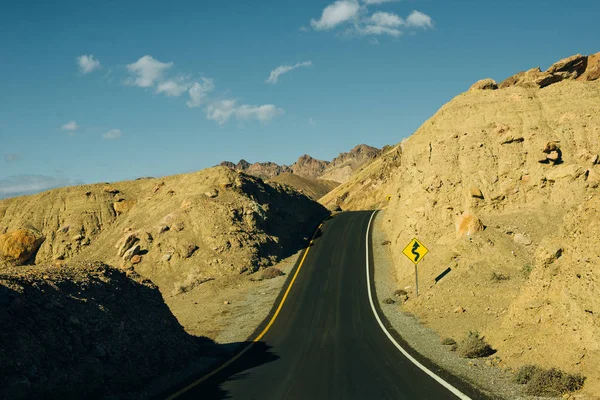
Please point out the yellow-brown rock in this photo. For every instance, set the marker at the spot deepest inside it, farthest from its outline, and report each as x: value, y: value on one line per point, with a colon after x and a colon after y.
x: 468, y: 223
x: 20, y: 246
x: 123, y: 206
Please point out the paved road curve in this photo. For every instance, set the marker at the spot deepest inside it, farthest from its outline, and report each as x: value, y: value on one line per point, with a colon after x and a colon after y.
x: 326, y: 342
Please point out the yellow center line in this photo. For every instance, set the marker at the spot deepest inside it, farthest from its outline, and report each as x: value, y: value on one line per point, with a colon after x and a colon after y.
x: 263, y: 333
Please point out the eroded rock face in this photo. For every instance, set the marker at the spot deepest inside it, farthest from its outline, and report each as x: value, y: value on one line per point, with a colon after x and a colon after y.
x: 20, y: 246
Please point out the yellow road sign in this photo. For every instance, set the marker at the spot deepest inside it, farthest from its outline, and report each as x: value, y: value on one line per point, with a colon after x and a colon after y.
x: 389, y: 197
x: 415, y: 251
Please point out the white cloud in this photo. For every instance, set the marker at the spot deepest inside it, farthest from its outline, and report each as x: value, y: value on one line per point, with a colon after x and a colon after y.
x: 87, y: 64
x: 147, y: 71
x: 335, y: 14
x: 173, y: 87
x: 262, y: 113
x: 379, y: 30
x: 28, y: 184
x: 70, y: 127
x: 417, y: 19
x: 386, y: 19
x: 12, y: 157
x: 282, y: 69
x: 198, y: 92
x: 363, y: 24
x: 221, y: 111
x: 113, y: 134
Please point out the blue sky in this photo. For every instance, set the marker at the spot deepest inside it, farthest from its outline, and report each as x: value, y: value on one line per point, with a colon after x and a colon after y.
x: 110, y: 90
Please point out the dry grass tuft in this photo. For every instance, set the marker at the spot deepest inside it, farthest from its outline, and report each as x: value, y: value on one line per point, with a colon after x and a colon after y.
x: 548, y: 382
x: 474, y: 346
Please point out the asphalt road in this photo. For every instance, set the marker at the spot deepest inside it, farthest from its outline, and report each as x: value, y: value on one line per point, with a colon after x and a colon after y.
x: 326, y: 342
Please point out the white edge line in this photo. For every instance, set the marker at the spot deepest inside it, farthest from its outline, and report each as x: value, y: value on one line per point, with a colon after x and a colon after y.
x: 442, y: 382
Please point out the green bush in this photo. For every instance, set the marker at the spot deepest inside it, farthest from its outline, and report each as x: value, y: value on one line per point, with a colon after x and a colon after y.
x: 526, y: 270
x: 474, y: 346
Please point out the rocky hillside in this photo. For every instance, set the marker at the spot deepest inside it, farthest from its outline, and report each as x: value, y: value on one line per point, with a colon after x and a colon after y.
x: 338, y: 170
x: 178, y: 231
x: 84, y: 330
x: 502, y: 185
x: 313, y: 188
x: 341, y: 168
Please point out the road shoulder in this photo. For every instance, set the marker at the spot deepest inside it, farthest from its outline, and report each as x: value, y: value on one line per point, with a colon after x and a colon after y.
x: 493, y: 381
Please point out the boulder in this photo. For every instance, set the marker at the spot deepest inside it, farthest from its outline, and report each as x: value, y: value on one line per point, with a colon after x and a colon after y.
x: 123, y: 206
x: 468, y: 223
x: 135, y: 250
x: 126, y: 243
x: 484, y: 84
x: 20, y: 246
x: 136, y: 259
x: 211, y: 194
x: 110, y: 189
x: 520, y: 238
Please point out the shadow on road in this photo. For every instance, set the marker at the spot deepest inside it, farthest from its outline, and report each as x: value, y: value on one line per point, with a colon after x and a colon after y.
x: 212, y: 388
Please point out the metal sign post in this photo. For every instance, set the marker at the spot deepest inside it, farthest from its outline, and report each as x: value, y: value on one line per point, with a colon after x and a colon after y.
x: 415, y: 251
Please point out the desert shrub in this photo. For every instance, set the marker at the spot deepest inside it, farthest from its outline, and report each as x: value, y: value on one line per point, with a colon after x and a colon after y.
x: 496, y: 277
x: 474, y: 346
x: 190, y: 282
x: 400, y: 292
x: 526, y: 270
x: 525, y: 373
x: 553, y: 382
x: 270, y: 273
x: 448, y: 341
x: 388, y: 301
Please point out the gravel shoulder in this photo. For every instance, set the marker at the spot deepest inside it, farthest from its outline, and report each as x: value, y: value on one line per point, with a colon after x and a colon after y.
x: 494, y: 381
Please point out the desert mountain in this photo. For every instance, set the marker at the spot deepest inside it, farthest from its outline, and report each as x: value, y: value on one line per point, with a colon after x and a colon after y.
x: 338, y: 170
x: 313, y: 188
x: 502, y: 186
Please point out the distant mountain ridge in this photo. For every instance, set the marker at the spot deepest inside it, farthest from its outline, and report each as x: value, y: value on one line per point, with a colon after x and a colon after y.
x: 338, y: 170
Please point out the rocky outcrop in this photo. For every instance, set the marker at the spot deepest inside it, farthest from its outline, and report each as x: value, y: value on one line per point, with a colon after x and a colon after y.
x: 575, y: 67
x: 20, y: 246
x: 484, y: 84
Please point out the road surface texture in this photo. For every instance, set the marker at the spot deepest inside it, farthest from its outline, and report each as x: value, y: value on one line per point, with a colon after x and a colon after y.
x: 326, y: 342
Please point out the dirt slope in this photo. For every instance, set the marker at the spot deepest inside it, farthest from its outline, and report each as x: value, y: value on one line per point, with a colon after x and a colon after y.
x: 179, y: 231
x: 523, y: 160
x: 313, y: 188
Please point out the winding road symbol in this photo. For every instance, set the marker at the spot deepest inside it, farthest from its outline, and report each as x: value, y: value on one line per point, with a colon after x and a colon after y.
x: 415, y: 251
